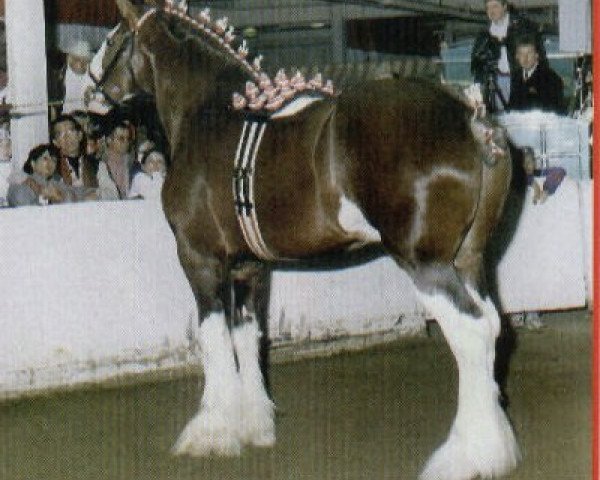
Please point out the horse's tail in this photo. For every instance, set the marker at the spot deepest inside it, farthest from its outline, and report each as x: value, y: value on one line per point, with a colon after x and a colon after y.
x: 496, y: 175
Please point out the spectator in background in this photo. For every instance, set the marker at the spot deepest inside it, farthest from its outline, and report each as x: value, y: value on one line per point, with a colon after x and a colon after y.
x: 534, y: 85
x: 68, y: 84
x: 545, y: 181
x: 40, y: 187
x: 115, y: 168
x: 93, y: 130
x: 75, y: 167
x: 493, y: 57
x: 148, y: 182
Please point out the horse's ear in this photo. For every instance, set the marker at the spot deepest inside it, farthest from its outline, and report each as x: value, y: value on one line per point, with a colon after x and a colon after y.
x: 129, y: 12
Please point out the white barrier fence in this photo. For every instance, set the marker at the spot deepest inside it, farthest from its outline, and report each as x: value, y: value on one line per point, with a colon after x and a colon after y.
x: 92, y: 291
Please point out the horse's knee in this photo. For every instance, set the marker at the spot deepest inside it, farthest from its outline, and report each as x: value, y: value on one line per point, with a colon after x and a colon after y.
x: 440, y: 279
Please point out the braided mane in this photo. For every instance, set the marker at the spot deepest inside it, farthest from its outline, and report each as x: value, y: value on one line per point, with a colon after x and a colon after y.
x: 263, y: 93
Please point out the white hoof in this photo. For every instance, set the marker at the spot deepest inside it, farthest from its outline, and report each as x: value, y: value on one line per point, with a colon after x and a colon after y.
x: 448, y: 463
x: 209, y: 433
x: 464, y: 457
x: 258, y: 425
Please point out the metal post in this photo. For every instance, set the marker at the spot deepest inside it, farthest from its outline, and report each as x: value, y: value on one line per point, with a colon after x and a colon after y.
x: 338, y: 34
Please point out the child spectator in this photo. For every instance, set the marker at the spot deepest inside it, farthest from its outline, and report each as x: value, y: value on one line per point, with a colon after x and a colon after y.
x: 40, y: 188
x: 148, y: 182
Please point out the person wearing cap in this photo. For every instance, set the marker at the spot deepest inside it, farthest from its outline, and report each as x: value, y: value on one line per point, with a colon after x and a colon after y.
x: 40, y: 187
x: 71, y: 81
x: 493, y: 58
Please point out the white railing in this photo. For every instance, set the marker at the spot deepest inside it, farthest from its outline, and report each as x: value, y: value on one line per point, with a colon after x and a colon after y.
x: 93, y: 291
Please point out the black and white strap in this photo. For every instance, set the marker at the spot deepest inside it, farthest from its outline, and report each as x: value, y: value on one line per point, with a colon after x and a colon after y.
x: 243, y: 187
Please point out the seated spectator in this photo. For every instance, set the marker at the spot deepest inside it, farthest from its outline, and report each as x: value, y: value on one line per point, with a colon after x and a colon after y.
x: 148, y: 182
x: 534, y: 84
x: 544, y: 181
x: 40, y: 188
x: 114, y: 170
x: 75, y: 167
x: 92, y: 125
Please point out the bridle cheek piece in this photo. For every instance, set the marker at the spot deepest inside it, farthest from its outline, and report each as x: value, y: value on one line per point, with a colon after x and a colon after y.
x: 99, y: 83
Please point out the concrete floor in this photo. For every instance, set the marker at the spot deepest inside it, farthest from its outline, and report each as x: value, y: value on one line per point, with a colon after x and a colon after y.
x: 375, y: 414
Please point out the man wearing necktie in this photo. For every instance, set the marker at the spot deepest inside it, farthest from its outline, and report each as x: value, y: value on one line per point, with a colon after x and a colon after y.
x: 534, y: 85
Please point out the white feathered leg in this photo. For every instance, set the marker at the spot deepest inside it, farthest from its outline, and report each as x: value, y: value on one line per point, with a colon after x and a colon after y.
x: 481, y: 441
x: 215, y: 428
x: 257, y: 423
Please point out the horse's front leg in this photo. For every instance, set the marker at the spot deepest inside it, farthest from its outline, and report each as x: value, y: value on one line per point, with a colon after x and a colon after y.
x: 252, y: 289
x: 216, y: 426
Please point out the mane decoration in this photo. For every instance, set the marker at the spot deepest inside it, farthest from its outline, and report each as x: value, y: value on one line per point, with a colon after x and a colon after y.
x: 263, y: 94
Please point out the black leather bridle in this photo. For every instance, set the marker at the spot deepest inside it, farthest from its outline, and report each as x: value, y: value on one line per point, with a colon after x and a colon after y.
x: 99, y: 83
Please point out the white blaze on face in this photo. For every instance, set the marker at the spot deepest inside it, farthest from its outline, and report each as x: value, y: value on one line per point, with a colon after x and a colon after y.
x: 97, y: 102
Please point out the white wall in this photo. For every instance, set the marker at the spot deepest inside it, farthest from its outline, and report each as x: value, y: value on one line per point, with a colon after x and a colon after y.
x: 544, y: 266
x: 92, y: 291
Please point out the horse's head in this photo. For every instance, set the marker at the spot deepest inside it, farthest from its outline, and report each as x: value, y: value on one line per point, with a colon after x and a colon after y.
x: 121, y: 69
x: 183, y: 61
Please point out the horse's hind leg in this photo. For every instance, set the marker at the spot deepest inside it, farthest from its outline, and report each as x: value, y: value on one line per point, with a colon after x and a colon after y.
x: 216, y: 426
x: 252, y: 286
x: 481, y: 441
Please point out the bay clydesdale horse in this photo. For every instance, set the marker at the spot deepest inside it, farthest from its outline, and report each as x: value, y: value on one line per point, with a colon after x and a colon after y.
x: 399, y: 162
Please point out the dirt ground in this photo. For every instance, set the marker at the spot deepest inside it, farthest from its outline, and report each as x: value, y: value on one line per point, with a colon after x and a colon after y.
x: 375, y: 414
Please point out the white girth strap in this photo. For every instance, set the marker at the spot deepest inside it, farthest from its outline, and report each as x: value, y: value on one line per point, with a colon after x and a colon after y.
x: 243, y: 187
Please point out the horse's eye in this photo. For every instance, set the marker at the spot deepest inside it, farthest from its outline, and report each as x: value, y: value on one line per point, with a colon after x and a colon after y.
x: 109, y: 42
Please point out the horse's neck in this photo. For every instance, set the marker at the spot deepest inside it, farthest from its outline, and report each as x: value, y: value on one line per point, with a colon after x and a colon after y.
x: 188, y: 96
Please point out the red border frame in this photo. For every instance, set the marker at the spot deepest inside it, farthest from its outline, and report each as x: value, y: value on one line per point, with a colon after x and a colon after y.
x: 596, y: 249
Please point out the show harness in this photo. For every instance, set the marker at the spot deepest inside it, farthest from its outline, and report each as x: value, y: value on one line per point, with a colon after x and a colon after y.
x: 243, y: 186
x: 244, y: 170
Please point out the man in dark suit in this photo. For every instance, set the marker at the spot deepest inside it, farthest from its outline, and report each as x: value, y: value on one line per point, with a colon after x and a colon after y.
x: 534, y: 85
